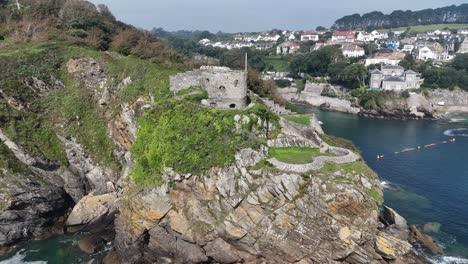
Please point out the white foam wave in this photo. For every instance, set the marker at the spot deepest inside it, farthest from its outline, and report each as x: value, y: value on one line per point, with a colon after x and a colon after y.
x: 19, y: 257
x: 457, y: 132
x: 457, y: 120
x: 388, y: 185
x: 447, y: 260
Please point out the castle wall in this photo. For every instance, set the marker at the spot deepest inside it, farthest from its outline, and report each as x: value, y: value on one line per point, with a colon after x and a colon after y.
x: 185, y: 80
x: 226, y: 88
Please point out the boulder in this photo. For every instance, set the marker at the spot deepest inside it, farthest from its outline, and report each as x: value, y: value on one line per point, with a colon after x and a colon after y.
x: 92, y: 213
x: 394, y: 223
x: 424, y: 241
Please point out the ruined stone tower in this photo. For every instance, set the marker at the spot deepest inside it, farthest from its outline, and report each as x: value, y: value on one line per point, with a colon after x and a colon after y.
x: 227, y: 89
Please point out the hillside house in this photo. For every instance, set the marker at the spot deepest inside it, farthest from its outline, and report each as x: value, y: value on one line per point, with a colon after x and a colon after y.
x: 408, y: 48
x: 264, y: 45
x: 463, y: 47
x: 343, y: 37
x: 393, y: 43
x: 462, y: 32
x: 386, y: 57
x: 309, y: 36
x: 433, y: 51
x: 352, y: 51
x: 287, y: 47
x: 394, y: 78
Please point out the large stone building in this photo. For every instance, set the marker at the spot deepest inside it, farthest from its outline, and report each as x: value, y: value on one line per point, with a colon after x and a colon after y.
x: 394, y: 78
x: 226, y: 88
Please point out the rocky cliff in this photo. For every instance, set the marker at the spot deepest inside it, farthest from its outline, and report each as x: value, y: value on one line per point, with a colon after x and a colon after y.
x: 92, y: 167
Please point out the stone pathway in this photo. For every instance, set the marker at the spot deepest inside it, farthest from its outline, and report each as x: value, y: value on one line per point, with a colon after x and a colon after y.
x: 320, y: 161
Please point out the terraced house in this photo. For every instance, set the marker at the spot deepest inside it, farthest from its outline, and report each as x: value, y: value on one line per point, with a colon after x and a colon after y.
x: 394, y: 78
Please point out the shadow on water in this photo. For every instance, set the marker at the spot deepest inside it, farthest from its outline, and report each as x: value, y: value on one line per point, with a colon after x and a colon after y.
x: 56, y: 250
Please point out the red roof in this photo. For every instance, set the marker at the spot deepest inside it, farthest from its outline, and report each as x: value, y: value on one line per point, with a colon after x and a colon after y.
x: 347, y: 34
x: 289, y: 44
x: 352, y: 48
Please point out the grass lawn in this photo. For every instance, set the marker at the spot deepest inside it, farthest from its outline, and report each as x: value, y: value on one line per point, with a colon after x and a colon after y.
x: 300, y: 119
x: 295, y: 155
x: 277, y: 64
x: 424, y: 28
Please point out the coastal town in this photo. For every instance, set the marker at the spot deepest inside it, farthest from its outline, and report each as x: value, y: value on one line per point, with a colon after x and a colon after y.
x: 386, y: 48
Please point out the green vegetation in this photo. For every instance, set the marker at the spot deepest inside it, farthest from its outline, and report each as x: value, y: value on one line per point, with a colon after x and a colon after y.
x: 375, y: 194
x: 283, y: 83
x: 432, y: 27
x: 400, y: 18
x: 194, y: 94
x: 277, y: 64
x: 190, y: 138
x: 295, y: 155
x: 357, y: 167
x: 300, y: 119
x: 339, y: 142
x: 451, y: 76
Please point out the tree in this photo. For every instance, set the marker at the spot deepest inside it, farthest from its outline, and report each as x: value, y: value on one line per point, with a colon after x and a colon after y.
x: 461, y: 62
x: 320, y: 28
x: 235, y: 59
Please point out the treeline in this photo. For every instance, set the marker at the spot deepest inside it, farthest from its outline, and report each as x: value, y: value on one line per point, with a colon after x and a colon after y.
x: 399, y: 18
x: 451, y: 76
x: 329, y: 61
x: 78, y: 21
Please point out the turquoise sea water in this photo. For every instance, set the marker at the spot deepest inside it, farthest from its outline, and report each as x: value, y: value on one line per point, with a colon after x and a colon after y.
x: 56, y: 250
x: 425, y: 186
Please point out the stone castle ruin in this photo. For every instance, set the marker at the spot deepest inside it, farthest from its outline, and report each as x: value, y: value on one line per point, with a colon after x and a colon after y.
x: 227, y: 89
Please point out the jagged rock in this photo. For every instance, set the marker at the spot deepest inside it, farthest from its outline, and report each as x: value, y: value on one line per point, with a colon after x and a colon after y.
x: 425, y: 241
x: 92, y: 213
x: 96, y: 178
x: 395, y: 224
x: 223, y: 252
x: 91, y: 244
x: 390, y: 247
x: 164, y: 244
x: 30, y: 209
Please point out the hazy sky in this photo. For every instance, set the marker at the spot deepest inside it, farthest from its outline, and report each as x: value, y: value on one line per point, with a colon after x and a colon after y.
x: 251, y: 15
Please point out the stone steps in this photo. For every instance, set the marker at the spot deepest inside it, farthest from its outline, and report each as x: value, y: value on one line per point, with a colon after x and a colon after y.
x: 276, y: 108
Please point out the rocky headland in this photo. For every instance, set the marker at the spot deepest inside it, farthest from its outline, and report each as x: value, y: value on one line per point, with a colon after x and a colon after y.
x: 433, y: 104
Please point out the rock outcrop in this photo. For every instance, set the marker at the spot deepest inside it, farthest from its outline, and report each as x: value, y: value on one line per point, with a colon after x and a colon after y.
x: 92, y: 213
x: 247, y: 214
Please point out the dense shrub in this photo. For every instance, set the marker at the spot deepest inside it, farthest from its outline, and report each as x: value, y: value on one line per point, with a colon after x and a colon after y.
x: 283, y: 83
x: 188, y: 138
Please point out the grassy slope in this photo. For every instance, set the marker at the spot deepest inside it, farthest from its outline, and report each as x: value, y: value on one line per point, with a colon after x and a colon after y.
x: 425, y: 28
x: 300, y: 119
x: 278, y: 64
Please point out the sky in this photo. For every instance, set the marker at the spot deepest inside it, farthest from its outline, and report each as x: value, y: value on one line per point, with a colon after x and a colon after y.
x: 251, y: 15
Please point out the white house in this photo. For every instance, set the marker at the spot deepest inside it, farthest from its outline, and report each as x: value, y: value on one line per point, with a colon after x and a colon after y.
x: 309, y: 36
x: 287, y: 47
x: 408, y: 48
x: 352, y: 51
x: 433, y: 52
x: 379, y: 34
x: 343, y: 36
x: 390, y: 58
x: 462, y: 32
